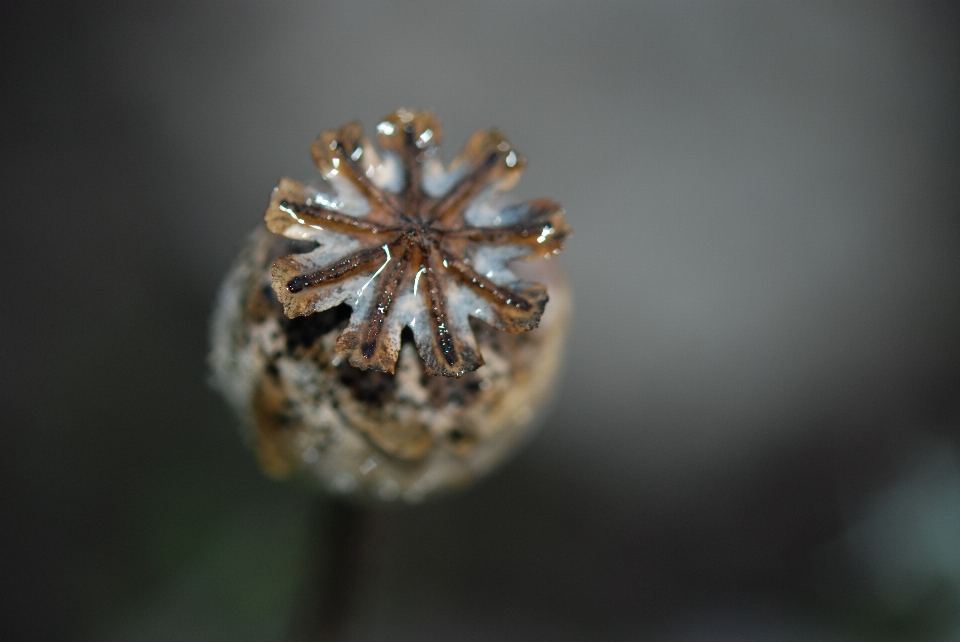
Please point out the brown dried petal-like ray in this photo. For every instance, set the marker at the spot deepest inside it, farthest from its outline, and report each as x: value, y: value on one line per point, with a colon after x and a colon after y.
x: 408, y: 243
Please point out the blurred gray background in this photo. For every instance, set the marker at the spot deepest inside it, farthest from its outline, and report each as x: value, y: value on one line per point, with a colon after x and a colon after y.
x: 756, y: 436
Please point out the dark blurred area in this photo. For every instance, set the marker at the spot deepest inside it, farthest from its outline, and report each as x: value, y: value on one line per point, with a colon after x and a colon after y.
x: 756, y: 436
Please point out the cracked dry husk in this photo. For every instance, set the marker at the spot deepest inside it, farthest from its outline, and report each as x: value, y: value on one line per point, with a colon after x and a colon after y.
x: 310, y: 414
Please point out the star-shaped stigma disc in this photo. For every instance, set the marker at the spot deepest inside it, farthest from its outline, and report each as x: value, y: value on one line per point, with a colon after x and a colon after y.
x: 408, y: 243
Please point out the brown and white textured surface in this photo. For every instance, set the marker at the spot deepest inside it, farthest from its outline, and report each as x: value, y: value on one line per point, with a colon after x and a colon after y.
x: 405, y: 435
x: 384, y: 223
x: 348, y: 369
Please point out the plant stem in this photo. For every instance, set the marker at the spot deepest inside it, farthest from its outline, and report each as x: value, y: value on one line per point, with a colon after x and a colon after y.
x: 331, y: 591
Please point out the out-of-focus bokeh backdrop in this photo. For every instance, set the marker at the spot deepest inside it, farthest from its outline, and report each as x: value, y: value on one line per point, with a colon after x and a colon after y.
x: 756, y: 436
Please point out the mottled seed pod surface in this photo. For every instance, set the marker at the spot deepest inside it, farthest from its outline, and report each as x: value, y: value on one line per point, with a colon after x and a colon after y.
x: 383, y: 336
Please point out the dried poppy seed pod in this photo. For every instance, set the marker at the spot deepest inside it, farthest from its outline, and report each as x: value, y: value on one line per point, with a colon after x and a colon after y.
x: 378, y: 337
